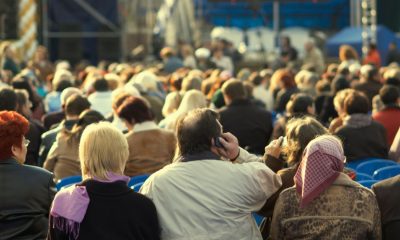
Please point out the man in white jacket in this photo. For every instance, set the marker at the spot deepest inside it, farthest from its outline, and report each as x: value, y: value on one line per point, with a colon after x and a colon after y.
x: 200, y: 195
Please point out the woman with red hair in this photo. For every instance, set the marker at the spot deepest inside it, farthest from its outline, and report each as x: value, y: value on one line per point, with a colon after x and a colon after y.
x: 26, y: 191
x: 287, y: 85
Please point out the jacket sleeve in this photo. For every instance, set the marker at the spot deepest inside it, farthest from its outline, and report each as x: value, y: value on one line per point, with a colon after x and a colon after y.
x: 245, y: 156
x: 274, y: 163
x: 257, y: 184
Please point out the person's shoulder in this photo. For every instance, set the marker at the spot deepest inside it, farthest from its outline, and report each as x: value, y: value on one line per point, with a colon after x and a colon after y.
x: 390, y: 184
x: 36, y: 172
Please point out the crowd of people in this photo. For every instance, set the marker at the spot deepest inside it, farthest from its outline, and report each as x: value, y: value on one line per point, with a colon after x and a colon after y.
x: 218, y: 143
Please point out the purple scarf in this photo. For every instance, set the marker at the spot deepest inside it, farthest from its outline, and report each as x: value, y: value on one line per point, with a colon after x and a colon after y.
x: 70, y: 205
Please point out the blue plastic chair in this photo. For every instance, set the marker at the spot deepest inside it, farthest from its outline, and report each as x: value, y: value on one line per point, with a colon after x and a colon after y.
x: 369, y: 167
x: 354, y: 164
x: 68, y: 181
x: 258, y: 218
x: 386, y: 172
x: 137, y: 186
x: 137, y: 179
x: 363, y: 176
x: 368, y: 183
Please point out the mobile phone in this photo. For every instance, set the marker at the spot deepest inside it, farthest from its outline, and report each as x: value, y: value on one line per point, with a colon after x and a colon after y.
x: 218, y: 143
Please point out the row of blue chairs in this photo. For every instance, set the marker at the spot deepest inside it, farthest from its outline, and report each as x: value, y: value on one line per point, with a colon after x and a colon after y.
x: 370, y: 170
x: 135, y: 182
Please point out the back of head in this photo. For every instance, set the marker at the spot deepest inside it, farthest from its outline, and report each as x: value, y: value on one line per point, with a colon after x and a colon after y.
x: 389, y: 95
x: 286, y: 79
x: 135, y: 110
x: 100, y: 85
x: 13, y: 127
x: 191, y: 82
x: 76, y: 104
x: 347, y: 52
x: 338, y: 100
x: 339, y: 83
x: 300, y: 104
x: 299, y: 132
x: 61, y: 85
x: 66, y: 93
x: 86, y: 118
x: 234, y: 89
x: 8, y: 99
x: 369, y: 72
x: 195, y: 131
x: 192, y: 99
x: 147, y: 80
x: 256, y: 79
x: 103, y: 150
x: 356, y: 102
x: 167, y: 52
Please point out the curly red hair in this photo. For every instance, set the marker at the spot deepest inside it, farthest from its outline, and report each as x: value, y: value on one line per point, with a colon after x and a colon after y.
x: 13, y: 127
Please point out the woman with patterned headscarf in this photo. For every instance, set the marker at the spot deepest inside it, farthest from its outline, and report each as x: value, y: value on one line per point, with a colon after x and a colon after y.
x: 325, y: 203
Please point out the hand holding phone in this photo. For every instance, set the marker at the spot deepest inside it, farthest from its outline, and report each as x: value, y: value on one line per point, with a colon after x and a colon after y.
x: 218, y: 143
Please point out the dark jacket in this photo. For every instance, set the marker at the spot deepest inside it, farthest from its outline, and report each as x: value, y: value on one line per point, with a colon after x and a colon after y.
x: 115, y: 212
x: 388, y: 194
x: 53, y: 118
x: 26, y: 193
x: 364, y: 142
x: 251, y: 124
x: 34, y: 136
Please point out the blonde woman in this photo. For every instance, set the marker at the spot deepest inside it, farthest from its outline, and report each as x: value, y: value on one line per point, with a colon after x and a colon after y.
x: 192, y: 99
x: 103, y: 206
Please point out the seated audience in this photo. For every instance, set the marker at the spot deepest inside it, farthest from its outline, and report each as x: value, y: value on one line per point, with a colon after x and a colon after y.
x: 362, y: 137
x: 369, y: 83
x: 299, y: 132
x: 260, y: 91
x: 73, y: 107
x: 299, y: 105
x: 338, y: 102
x: 63, y: 159
x: 251, y: 124
x: 53, y: 119
x: 192, y: 99
x: 387, y: 194
x: 325, y: 203
x: 100, y: 100
x: 35, y: 127
x: 102, y: 206
x: 287, y: 87
x: 150, y: 148
x: 203, y: 196
x: 389, y: 116
x: 26, y: 191
x: 62, y: 79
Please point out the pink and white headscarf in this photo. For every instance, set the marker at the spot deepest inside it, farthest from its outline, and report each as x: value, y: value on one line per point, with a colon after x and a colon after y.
x: 323, y: 161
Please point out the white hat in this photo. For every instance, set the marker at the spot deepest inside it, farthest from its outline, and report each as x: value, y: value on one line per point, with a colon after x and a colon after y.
x: 202, y: 53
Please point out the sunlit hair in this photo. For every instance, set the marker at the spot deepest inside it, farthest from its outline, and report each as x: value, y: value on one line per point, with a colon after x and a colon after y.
x: 103, y: 149
x: 299, y: 132
x: 13, y: 127
x: 338, y: 100
x: 347, y: 52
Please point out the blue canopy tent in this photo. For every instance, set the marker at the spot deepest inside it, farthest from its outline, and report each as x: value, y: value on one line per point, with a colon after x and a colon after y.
x: 352, y: 36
